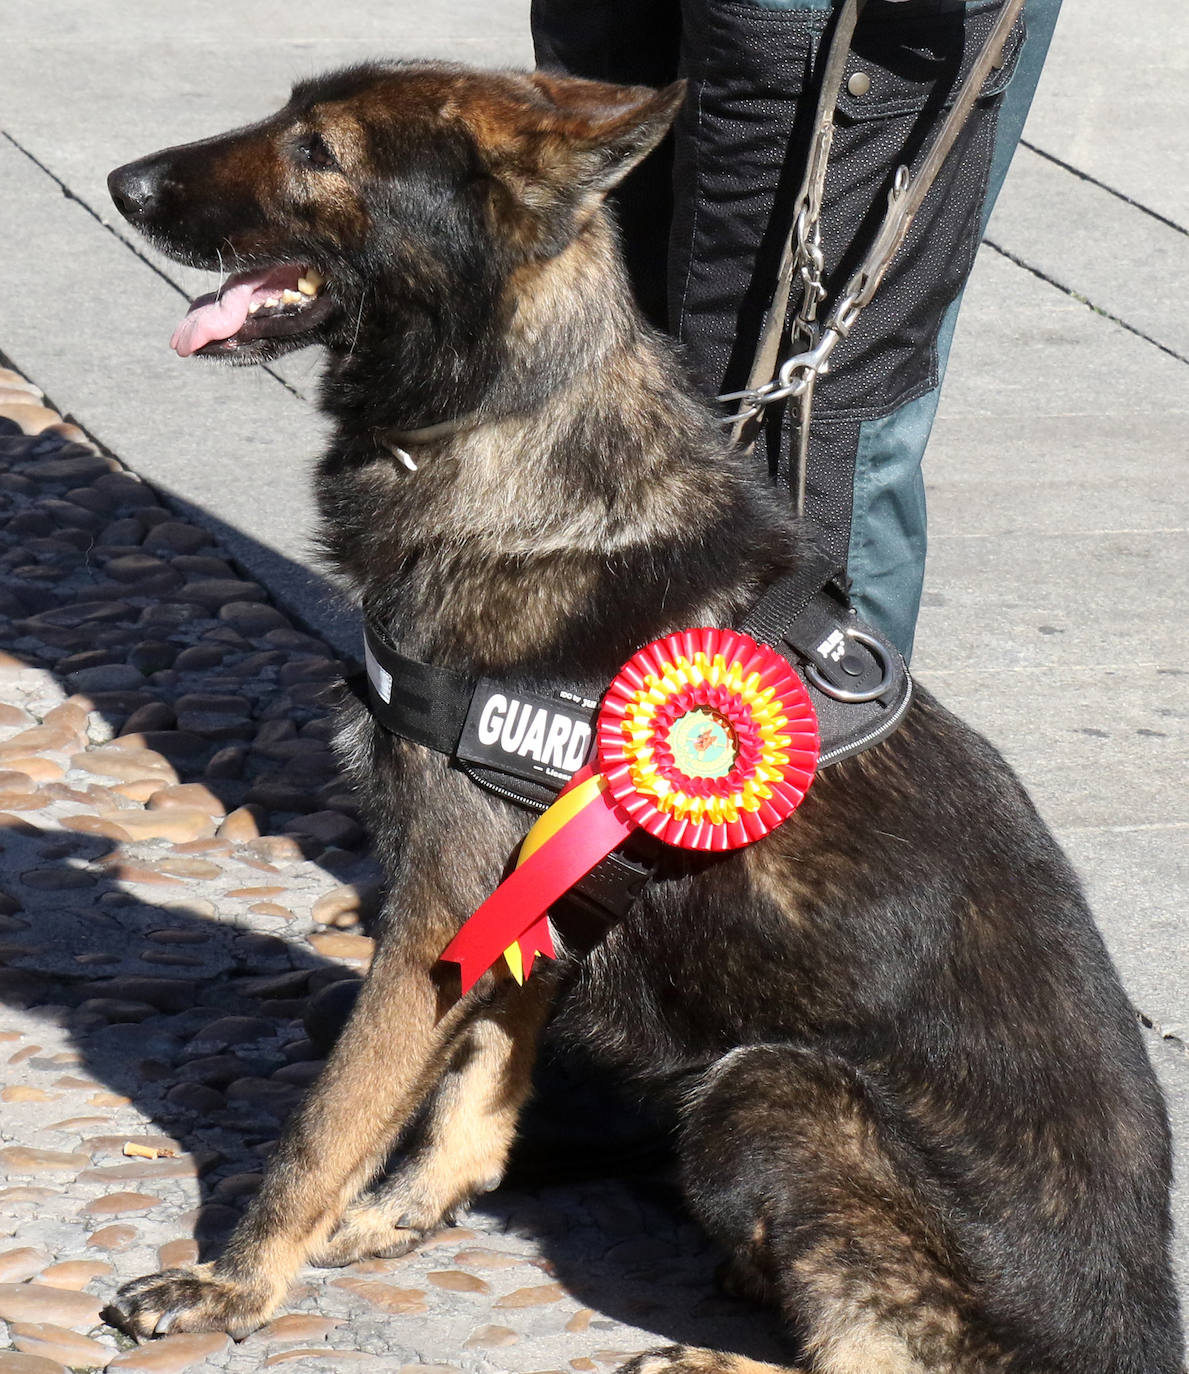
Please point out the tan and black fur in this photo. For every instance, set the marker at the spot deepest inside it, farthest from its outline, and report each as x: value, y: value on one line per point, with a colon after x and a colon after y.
x: 914, y: 1105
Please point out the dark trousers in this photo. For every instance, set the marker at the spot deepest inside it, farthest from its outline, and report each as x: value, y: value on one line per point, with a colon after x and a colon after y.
x: 705, y: 218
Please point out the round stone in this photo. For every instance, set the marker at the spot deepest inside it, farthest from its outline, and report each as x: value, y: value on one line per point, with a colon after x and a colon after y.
x: 228, y: 762
x: 242, y: 825
x: 70, y: 715
x: 216, y: 592
x: 150, y: 656
x: 490, y: 1338
x: 54, y: 1342
x: 172, y: 1354
x: 341, y: 946
x: 176, y: 536
x: 188, y: 794
x: 328, y: 828
x: 195, y: 1097
x: 74, y: 1273
x: 176, y: 1253
x: 251, y: 618
x: 539, y: 1296
x: 189, y: 868
x: 125, y: 765
x: 41, y: 739
x: 36, y: 1302
x: 116, y: 1204
x: 348, y: 904
x: 298, y: 1326
x: 98, y: 826
x: 21, y: 1264
x: 38, y: 769
x: 384, y: 1295
x: 458, y: 1281
x: 106, y: 678
x: 178, y: 823
x: 26, y: 1092
x: 200, y: 656
x: 13, y: 1363
x: 127, y: 490
x: 31, y: 418
x: 115, y: 1237
x: 20, y: 1159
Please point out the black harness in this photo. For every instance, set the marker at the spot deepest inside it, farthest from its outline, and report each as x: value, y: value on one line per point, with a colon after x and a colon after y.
x: 524, y: 745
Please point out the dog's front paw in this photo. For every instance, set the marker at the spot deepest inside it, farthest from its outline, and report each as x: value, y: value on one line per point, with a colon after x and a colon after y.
x: 366, y: 1233
x: 193, y: 1299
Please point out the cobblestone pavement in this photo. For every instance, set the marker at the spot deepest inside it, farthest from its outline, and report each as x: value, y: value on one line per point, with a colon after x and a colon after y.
x: 182, y: 866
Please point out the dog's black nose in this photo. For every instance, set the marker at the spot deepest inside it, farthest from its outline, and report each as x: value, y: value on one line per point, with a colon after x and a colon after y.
x: 134, y: 189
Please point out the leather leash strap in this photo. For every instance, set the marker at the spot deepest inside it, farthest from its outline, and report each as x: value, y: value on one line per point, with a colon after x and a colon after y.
x: 806, y: 216
x: 766, y: 384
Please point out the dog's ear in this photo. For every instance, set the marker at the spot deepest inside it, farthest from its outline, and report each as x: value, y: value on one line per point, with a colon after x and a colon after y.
x: 600, y: 132
x: 564, y: 149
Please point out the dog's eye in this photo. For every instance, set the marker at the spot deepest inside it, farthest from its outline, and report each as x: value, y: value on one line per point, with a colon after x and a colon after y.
x: 313, y: 150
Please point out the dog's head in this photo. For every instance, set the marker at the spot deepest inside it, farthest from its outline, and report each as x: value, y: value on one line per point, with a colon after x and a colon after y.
x: 398, y: 188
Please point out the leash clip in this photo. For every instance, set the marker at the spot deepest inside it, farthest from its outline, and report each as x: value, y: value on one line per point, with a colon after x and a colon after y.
x: 796, y: 373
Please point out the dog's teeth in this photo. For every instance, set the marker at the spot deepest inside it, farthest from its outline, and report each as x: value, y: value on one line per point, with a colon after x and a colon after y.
x: 272, y: 300
x: 291, y: 297
x: 308, y: 287
x: 252, y: 309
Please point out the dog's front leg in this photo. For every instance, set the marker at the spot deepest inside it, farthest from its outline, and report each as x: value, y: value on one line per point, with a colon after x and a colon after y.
x: 402, y: 1032
x: 463, y: 1142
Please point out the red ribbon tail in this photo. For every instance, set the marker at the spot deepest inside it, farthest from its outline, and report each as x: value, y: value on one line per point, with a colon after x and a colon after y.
x: 516, y: 908
x: 537, y: 940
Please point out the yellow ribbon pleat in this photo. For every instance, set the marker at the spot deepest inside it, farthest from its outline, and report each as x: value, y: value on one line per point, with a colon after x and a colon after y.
x: 560, y: 814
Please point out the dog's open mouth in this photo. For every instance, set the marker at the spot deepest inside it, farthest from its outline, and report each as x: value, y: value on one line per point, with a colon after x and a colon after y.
x: 251, y: 307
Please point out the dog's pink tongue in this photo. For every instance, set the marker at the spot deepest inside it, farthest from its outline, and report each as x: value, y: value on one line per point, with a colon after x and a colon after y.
x: 222, y: 314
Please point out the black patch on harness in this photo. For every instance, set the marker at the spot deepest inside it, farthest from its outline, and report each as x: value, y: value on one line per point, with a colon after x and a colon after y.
x: 539, y: 738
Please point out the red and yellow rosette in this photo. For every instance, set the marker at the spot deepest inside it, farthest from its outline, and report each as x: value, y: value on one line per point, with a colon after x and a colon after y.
x: 705, y: 739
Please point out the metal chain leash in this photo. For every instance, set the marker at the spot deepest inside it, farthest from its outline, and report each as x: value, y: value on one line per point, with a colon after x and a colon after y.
x: 803, y: 258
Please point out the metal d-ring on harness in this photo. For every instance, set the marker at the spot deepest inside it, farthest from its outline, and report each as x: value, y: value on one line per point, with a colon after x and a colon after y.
x: 802, y: 258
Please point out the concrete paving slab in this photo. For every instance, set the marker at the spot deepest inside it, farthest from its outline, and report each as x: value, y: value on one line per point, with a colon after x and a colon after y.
x: 1024, y: 600
x: 986, y: 509
x: 1112, y: 99
x: 1134, y: 456
x: 1172, y: 1068
x: 149, y: 76
x: 1025, y: 350
x: 1096, y: 245
x: 1134, y: 876
x: 1096, y: 745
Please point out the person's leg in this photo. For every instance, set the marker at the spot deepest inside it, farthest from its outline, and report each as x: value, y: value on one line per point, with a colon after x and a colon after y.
x: 886, y: 552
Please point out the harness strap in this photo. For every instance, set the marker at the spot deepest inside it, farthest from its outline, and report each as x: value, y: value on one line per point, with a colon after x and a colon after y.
x: 769, y: 619
x: 424, y: 704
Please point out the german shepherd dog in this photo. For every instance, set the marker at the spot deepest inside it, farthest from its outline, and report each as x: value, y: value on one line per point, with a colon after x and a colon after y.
x: 914, y: 1104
